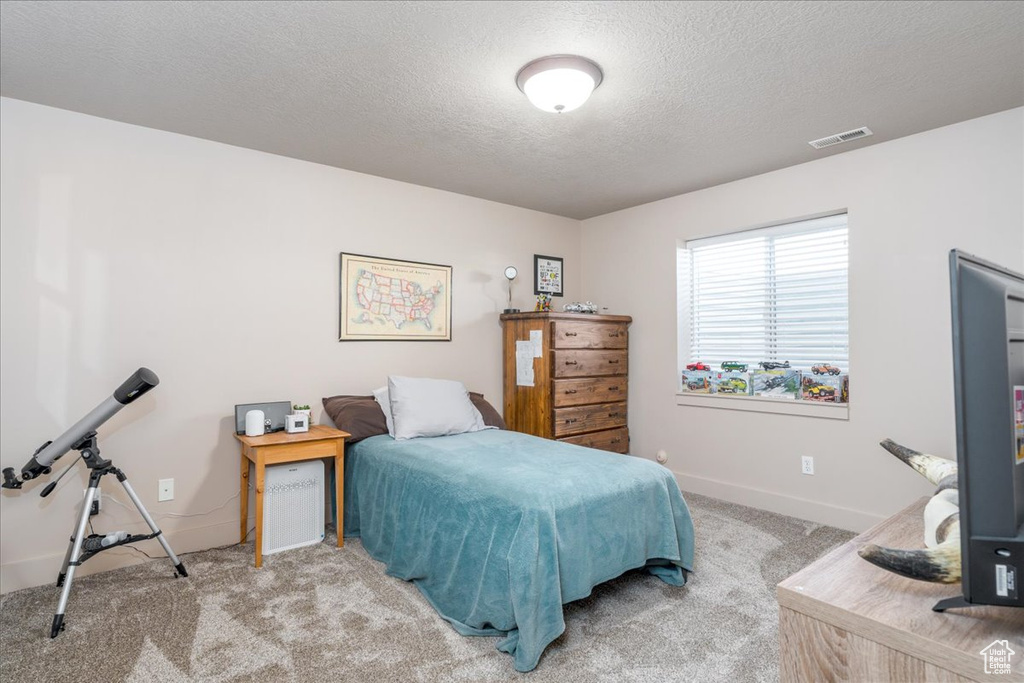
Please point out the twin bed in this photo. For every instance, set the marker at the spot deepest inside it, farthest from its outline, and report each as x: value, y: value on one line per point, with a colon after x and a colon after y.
x: 499, y: 529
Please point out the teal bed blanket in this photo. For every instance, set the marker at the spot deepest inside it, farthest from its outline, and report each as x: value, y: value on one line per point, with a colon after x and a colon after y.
x: 499, y: 529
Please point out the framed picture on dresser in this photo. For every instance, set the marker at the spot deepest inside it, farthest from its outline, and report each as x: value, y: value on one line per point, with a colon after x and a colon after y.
x: 547, y: 275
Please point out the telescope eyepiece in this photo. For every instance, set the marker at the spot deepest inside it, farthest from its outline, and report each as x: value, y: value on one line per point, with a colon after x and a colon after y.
x: 141, y: 381
x: 11, y: 480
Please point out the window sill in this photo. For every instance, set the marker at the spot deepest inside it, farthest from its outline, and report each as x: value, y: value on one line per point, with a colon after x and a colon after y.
x: 830, y: 411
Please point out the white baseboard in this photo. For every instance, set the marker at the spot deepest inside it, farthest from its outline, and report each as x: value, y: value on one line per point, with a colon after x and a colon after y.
x: 39, y: 571
x: 822, y: 513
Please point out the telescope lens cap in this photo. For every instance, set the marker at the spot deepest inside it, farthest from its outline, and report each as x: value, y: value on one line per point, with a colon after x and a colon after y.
x: 148, y: 376
x: 141, y: 381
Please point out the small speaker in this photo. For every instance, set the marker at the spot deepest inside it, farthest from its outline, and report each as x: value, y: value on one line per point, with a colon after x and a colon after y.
x: 255, y: 423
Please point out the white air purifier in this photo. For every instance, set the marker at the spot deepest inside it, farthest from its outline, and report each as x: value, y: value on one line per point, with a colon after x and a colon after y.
x: 293, y: 505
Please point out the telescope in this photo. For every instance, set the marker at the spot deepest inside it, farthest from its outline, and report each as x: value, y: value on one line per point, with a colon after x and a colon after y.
x: 82, y: 438
x: 141, y: 381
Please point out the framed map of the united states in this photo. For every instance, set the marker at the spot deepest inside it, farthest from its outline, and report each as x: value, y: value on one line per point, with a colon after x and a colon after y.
x: 391, y: 300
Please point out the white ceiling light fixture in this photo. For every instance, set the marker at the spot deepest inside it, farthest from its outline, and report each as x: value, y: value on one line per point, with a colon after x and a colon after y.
x: 559, y: 83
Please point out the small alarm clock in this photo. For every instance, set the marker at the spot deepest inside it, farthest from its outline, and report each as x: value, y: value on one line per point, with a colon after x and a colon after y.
x: 293, y: 424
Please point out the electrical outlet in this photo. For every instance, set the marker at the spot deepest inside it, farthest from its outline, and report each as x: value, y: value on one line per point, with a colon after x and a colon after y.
x: 807, y: 465
x: 166, y: 491
x: 96, y: 503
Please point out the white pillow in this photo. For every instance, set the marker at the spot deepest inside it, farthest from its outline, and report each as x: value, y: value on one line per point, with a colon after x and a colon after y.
x: 381, y: 397
x: 431, y: 407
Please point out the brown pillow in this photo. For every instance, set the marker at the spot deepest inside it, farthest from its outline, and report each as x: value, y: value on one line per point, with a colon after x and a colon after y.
x: 360, y: 416
x: 490, y: 415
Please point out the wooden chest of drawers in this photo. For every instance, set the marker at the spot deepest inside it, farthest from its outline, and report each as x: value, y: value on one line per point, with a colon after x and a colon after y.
x: 580, y: 380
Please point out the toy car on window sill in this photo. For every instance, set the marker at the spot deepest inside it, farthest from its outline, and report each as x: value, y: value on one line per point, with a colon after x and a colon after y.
x: 734, y: 365
x: 825, y: 369
x: 773, y: 365
x: 820, y: 391
x: 733, y: 385
x: 698, y: 366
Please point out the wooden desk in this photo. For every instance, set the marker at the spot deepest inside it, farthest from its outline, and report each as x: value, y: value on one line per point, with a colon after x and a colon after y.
x: 281, y: 447
x: 843, y: 619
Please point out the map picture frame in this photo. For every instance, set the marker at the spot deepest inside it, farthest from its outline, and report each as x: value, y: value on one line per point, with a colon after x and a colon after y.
x: 385, y: 299
x: 548, y: 275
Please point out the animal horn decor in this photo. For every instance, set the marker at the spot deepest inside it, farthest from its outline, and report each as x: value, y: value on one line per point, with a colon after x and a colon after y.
x: 939, y: 562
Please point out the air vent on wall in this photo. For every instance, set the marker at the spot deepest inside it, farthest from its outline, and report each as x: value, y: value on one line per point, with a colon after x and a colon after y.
x: 840, y: 137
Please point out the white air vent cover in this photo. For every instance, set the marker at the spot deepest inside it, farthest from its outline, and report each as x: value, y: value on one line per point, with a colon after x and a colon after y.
x: 840, y: 137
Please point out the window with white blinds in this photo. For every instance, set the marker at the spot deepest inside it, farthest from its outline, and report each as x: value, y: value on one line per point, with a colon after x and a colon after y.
x: 774, y: 294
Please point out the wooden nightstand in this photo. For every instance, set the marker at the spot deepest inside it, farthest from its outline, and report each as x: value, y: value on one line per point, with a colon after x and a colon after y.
x: 281, y: 447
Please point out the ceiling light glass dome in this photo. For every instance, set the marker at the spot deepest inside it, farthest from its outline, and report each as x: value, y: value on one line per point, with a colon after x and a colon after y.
x: 559, y: 83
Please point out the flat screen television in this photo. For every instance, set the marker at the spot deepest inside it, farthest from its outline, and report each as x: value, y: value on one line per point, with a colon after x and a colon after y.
x: 988, y: 370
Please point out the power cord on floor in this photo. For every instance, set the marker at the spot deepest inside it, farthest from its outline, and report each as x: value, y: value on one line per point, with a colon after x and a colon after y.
x: 191, y: 552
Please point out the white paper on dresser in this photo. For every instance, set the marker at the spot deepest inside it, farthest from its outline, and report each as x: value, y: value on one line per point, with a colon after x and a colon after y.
x: 537, y: 339
x: 524, y: 363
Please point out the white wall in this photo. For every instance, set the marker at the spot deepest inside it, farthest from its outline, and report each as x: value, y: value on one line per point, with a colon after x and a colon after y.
x: 123, y: 246
x: 910, y: 201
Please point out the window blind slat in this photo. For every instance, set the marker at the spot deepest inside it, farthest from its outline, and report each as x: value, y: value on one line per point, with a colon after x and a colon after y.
x: 780, y: 293
x: 705, y: 281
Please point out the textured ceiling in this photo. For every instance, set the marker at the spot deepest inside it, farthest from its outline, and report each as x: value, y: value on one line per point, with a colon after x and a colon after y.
x: 695, y: 93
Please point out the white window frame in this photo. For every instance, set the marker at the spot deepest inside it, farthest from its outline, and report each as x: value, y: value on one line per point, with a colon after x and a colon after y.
x: 761, y: 404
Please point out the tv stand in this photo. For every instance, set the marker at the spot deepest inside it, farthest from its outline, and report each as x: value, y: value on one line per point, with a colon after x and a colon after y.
x: 844, y: 619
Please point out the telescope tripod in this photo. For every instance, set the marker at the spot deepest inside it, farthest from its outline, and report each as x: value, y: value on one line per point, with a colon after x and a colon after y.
x: 82, y: 547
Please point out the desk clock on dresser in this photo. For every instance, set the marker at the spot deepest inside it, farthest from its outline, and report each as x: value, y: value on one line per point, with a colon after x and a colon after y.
x: 578, y: 392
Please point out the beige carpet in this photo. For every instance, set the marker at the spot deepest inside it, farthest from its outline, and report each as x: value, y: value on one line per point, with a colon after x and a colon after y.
x: 328, y: 614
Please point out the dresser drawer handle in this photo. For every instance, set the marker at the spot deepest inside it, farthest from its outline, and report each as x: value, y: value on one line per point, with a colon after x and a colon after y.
x: 616, y: 441
x: 572, y: 362
x: 614, y: 414
x: 571, y: 334
x: 613, y: 335
x: 570, y: 420
x: 614, y: 361
x: 613, y: 388
x: 570, y: 391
